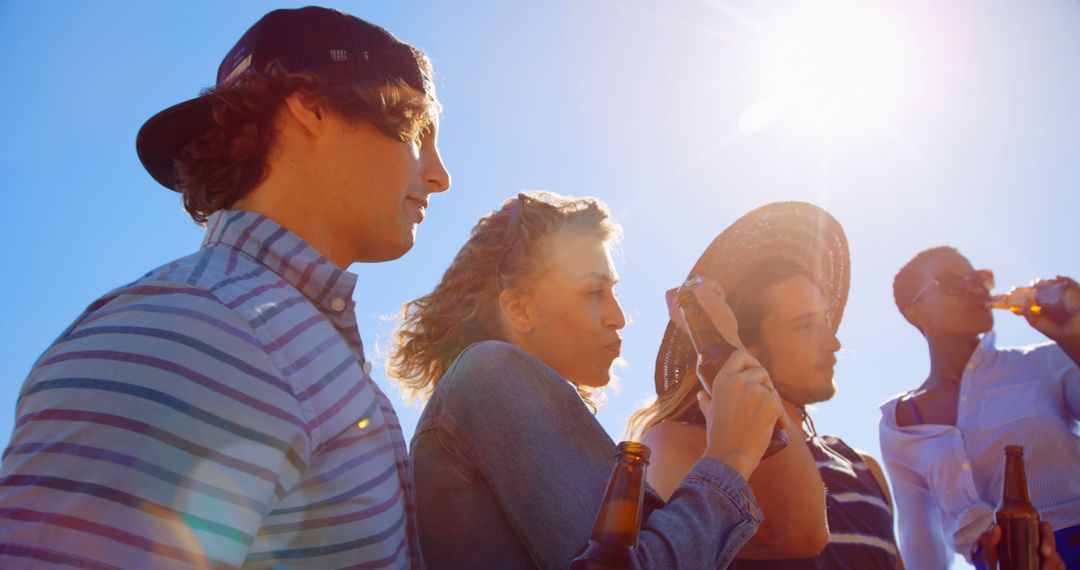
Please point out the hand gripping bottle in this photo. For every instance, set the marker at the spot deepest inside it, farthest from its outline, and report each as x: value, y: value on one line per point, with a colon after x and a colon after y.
x: 713, y: 351
x: 1058, y: 299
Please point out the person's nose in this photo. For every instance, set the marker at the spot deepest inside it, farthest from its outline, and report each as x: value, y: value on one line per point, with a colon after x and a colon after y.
x: 436, y: 176
x: 614, y: 317
x: 833, y: 342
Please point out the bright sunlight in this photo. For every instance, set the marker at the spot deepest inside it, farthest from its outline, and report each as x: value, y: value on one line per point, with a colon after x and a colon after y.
x: 840, y: 67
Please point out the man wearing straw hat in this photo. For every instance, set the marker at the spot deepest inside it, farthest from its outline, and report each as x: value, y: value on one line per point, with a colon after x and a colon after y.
x: 219, y: 412
x: 783, y: 269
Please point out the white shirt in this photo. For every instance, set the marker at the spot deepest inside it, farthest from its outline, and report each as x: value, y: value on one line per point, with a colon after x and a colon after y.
x: 947, y: 480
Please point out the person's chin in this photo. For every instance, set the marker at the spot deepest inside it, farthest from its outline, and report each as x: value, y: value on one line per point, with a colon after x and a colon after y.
x: 980, y: 317
x: 596, y: 380
x: 386, y: 253
x: 975, y: 327
x: 828, y: 393
x: 823, y: 393
x: 408, y: 240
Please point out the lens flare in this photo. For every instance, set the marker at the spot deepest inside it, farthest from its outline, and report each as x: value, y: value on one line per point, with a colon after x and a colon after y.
x: 837, y: 67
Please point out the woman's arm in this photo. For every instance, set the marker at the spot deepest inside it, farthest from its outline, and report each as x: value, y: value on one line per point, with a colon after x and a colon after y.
x: 918, y: 518
x: 548, y: 460
x: 919, y: 524
x: 788, y: 488
x: 1066, y: 374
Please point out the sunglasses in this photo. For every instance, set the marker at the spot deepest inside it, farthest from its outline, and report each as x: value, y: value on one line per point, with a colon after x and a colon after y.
x: 954, y: 284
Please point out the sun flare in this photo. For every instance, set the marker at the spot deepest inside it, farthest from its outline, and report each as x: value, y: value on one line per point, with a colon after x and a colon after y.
x: 838, y: 67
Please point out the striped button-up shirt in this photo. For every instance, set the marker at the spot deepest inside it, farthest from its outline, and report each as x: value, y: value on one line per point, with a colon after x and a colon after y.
x: 947, y: 479
x: 216, y: 412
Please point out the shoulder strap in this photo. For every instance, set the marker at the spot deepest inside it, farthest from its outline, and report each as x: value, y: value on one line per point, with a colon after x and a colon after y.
x: 915, y: 411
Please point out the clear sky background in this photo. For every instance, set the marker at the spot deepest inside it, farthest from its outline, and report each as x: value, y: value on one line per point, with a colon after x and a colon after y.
x: 916, y: 123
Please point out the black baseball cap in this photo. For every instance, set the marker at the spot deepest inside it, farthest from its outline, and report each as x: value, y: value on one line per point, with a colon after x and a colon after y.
x: 305, y: 39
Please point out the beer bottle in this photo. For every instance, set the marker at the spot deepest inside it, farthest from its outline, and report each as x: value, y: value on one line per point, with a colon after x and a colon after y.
x: 618, y: 523
x: 713, y: 351
x: 1017, y: 517
x: 1060, y: 300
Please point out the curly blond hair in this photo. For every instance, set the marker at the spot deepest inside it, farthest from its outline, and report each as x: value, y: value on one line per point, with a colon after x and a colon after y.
x: 503, y: 251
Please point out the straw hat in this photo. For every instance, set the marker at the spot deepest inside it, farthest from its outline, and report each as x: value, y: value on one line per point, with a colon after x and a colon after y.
x: 793, y: 232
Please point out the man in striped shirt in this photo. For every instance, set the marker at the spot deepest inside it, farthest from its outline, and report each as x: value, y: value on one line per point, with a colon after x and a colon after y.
x: 218, y: 412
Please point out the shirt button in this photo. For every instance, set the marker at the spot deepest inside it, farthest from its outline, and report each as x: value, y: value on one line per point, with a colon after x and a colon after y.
x: 963, y: 398
x: 366, y: 366
x: 966, y: 466
x: 338, y: 304
x: 971, y: 367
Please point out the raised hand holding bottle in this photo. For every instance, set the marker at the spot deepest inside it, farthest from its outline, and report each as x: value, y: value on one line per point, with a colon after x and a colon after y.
x: 1058, y: 299
x: 713, y: 351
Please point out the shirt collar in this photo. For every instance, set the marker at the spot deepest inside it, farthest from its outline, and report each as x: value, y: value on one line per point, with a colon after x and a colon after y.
x: 984, y: 350
x: 286, y: 254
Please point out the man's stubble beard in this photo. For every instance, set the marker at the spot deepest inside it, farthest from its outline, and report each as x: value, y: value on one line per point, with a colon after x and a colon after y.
x: 803, y: 393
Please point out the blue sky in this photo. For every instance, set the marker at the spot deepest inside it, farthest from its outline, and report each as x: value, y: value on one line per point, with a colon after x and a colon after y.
x: 674, y: 113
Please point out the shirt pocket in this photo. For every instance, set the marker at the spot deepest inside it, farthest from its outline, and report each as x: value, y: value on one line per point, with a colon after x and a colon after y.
x: 1007, y: 404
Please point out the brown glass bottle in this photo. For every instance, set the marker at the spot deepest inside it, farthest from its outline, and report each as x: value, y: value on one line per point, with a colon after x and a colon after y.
x: 1058, y: 299
x: 1017, y: 517
x: 713, y: 351
x: 615, y: 532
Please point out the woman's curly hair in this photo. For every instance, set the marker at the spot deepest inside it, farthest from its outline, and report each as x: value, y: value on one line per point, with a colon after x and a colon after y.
x: 504, y: 250
x: 219, y: 168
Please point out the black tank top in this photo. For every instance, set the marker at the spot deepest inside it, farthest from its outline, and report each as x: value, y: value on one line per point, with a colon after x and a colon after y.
x: 860, y: 521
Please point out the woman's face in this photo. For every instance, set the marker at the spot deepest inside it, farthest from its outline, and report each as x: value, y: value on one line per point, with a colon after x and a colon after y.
x: 952, y: 312
x: 571, y: 316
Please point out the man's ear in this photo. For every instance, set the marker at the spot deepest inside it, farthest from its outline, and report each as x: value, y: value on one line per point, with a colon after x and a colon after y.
x: 305, y: 111
x: 516, y: 309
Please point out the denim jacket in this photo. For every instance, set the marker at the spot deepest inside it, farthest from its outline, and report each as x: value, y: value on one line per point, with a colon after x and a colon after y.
x: 511, y: 468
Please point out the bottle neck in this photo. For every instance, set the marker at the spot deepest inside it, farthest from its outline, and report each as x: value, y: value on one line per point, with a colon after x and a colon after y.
x: 712, y: 348
x: 1014, y: 488
x: 1061, y: 296
x: 618, y: 522
x: 703, y: 334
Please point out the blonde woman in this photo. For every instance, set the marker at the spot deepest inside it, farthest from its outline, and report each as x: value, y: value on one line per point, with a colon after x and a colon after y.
x: 510, y: 464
